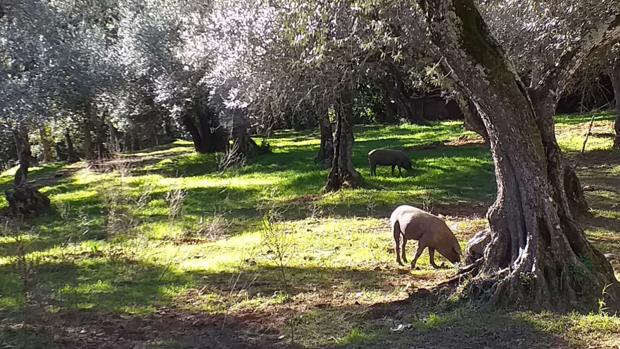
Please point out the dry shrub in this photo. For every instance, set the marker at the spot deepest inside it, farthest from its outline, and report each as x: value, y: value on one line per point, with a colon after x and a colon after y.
x: 122, y: 209
x: 211, y: 229
x: 24, y: 264
x: 231, y: 159
x: 175, y: 199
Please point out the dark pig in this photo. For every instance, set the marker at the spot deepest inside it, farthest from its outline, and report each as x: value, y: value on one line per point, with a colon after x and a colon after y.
x: 388, y: 157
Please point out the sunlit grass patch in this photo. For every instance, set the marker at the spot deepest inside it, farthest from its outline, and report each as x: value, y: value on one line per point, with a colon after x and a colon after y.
x: 574, y: 119
x: 606, y: 240
x: 431, y: 321
x: 338, y: 264
x: 579, y: 329
x: 572, y: 130
x: 355, y: 337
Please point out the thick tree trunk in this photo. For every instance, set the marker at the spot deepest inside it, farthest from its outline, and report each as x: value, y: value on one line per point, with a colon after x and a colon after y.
x: 61, y: 151
x: 242, y: 141
x: 23, y: 156
x: 615, y: 79
x: 398, y: 91
x: 205, y: 130
x: 23, y: 141
x: 72, y: 155
x: 326, y: 149
x: 391, y: 112
x: 403, y: 105
x: 190, y: 127
x: 100, y: 130
x: 538, y: 256
x: 562, y: 174
x: 87, y: 129
x: 114, y: 141
x: 343, y: 174
x: 46, y: 144
x: 169, y: 128
x: 22, y: 198
x: 94, y: 135
x: 135, y: 142
x: 214, y: 136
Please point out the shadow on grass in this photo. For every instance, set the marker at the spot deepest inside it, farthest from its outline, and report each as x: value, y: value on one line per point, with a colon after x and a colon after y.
x: 126, y: 298
x: 110, y: 280
x: 176, y: 165
x: 231, y: 202
x: 427, y: 321
x: 599, y: 173
x: 432, y: 323
x: 35, y: 174
x: 450, y: 174
x: 169, y: 329
x: 601, y: 222
x: 295, y: 154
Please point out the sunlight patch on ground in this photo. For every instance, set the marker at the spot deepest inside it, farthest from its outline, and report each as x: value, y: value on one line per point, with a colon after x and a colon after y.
x: 336, y: 264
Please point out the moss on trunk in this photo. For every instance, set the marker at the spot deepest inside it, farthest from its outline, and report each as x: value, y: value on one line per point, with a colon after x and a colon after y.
x: 538, y: 256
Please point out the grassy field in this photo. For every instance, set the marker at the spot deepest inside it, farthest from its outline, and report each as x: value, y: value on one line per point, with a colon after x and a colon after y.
x: 157, y: 249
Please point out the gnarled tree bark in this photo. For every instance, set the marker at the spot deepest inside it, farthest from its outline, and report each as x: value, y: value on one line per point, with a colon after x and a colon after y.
x: 242, y: 141
x: 561, y: 173
x: 46, y: 144
x: 72, y: 155
x: 615, y: 80
x: 343, y: 174
x: 326, y: 149
x: 23, y: 199
x: 204, y: 128
x: 538, y: 256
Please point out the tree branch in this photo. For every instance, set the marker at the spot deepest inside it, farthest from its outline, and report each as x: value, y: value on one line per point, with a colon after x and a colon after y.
x: 558, y: 77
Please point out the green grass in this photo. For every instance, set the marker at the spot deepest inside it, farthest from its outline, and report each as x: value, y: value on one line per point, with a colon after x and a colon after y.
x: 109, y: 249
x: 572, y: 130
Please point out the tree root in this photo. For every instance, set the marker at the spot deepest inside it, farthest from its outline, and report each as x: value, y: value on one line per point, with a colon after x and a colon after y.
x: 25, y: 200
x: 506, y: 289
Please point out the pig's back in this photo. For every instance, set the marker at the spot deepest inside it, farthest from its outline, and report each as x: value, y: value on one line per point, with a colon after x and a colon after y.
x: 415, y: 222
x: 383, y: 156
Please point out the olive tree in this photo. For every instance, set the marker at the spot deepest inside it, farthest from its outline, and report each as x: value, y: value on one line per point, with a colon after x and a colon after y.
x: 24, y: 97
x: 538, y: 254
x: 548, y: 44
x: 302, y: 59
x: 614, y: 74
x: 166, y: 51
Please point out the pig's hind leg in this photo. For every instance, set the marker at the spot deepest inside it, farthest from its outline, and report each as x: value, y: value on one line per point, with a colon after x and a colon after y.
x: 397, y: 243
